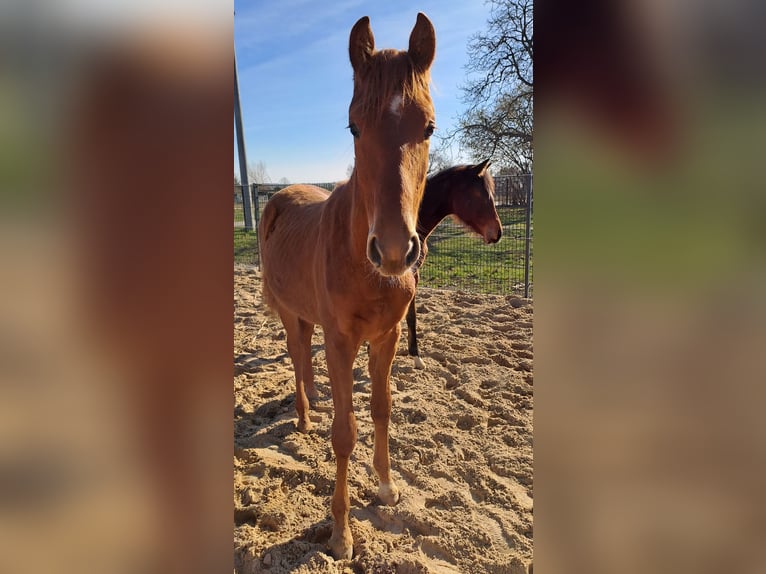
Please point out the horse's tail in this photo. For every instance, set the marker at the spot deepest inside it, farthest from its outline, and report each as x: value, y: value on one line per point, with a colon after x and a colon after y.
x: 266, y: 225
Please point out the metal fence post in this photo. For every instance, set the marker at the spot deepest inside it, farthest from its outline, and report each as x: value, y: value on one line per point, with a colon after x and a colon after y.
x: 528, y: 237
x: 241, y: 152
x: 254, y: 188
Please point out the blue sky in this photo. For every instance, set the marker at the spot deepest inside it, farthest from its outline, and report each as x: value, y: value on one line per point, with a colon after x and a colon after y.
x: 295, y: 78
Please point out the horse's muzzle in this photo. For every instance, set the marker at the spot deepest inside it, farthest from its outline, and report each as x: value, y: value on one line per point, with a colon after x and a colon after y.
x: 493, y: 234
x: 393, y: 260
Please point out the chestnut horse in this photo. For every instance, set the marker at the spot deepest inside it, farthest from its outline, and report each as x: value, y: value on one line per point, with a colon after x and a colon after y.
x: 468, y: 192
x: 343, y: 260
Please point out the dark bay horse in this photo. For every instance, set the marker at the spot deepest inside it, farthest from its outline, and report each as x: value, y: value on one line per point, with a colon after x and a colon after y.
x: 343, y: 260
x: 468, y: 192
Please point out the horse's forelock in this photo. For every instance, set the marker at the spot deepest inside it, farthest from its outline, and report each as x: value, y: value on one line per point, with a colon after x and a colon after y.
x: 389, y: 73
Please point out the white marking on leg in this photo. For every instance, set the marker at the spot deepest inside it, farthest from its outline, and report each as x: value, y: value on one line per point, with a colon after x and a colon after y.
x: 388, y: 493
x: 419, y: 364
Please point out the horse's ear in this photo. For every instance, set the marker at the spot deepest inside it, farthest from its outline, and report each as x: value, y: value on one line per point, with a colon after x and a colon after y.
x: 361, y: 44
x: 422, y: 43
x: 481, y: 168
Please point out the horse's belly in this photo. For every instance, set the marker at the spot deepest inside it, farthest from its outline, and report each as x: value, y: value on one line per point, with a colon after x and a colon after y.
x: 297, y: 300
x: 288, y: 252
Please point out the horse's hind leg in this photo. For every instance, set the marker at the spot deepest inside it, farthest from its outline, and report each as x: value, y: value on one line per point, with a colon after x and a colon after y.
x: 381, y: 356
x: 306, y: 331
x: 298, y: 333
x: 412, y: 335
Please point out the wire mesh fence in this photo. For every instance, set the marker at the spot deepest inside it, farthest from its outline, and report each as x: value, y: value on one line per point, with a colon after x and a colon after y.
x: 457, y: 258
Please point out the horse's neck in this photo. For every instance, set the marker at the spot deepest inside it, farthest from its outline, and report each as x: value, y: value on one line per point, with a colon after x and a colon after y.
x: 436, y: 205
x: 349, y: 210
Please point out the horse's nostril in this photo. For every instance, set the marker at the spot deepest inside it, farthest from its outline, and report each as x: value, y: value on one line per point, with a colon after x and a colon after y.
x: 373, y: 252
x: 413, y: 252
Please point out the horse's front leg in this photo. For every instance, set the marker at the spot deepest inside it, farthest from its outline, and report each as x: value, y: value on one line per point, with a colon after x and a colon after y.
x: 340, y: 352
x: 382, y: 353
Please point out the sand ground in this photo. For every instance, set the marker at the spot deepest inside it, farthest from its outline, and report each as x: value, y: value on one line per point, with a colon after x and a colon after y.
x: 461, y: 445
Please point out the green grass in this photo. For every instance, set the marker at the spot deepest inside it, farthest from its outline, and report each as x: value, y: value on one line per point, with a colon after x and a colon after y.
x: 457, y: 259
x: 245, y: 246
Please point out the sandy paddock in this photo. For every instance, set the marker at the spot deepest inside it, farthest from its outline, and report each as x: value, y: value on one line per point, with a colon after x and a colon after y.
x: 461, y: 446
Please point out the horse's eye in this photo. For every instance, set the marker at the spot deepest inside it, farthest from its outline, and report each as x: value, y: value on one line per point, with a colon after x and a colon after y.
x: 429, y: 130
x: 354, y: 130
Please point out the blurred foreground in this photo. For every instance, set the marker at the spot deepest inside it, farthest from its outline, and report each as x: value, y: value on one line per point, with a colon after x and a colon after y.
x: 115, y: 318
x: 650, y: 321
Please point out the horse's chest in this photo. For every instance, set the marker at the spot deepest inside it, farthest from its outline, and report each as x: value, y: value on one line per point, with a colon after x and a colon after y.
x: 383, y: 312
x: 369, y: 323
x: 370, y: 316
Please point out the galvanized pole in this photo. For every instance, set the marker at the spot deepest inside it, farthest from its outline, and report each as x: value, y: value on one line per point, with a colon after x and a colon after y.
x: 243, y: 180
x: 528, y: 238
x: 254, y: 190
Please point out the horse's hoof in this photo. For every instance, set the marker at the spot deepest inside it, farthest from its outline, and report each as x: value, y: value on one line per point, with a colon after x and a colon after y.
x: 419, y: 364
x: 341, y: 544
x: 304, y: 426
x: 388, y: 493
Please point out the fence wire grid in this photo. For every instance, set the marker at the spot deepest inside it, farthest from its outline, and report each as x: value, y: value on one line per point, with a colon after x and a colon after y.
x: 457, y: 258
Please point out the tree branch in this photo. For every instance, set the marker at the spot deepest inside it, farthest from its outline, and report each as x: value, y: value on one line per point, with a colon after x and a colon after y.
x: 498, y: 119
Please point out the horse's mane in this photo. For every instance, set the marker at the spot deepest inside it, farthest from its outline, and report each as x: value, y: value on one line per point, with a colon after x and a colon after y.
x: 387, y: 73
x: 489, y: 183
x: 446, y: 172
x: 434, y: 178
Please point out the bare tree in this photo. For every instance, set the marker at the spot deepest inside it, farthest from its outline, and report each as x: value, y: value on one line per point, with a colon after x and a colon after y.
x: 499, y: 92
x: 237, y: 188
x: 257, y: 173
x: 437, y: 161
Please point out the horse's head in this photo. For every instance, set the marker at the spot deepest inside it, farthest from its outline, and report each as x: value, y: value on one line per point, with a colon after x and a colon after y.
x: 391, y: 117
x: 475, y: 204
